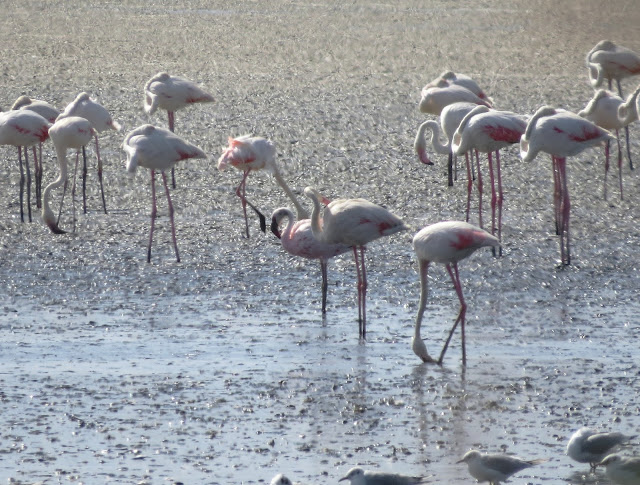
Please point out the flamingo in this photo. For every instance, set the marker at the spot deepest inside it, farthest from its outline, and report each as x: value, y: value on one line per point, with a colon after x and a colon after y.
x: 610, y: 61
x: 250, y: 153
x: 446, y: 242
x: 298, y: 239
x: 450, y: 117
x: 489, y: 131
x: 622, y: 470
x: 23, y: 128
x: 590, y: 446
x: 611, y: 112
x: 495, y: 468
x: 49, y: 113
x: 66, y: 133
x: 562, y: 134
x: 353, y: 222
x: 447, y: 78
x: 100, y: 119
x: 172, y: 93
x: 158, y: 149
x: 434, y: 99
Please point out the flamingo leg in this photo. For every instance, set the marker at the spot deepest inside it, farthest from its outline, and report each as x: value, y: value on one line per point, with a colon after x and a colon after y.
x: 500, y: 201
x: 450, y: 169
x: 419, y: 348
x: 154, y: 212
x: 556, y: 194
x: 35, y: 174
x: 173, y: 225
x: 607, y: 149
x: 21, y: 184
x: 452, y: 269
x: 479, y: 190
x: 84, y: 180
x: 241, y: 192
x: 626, y: 128
x: 619, y: 162
x: 566, y: 210
x: 26, y: 164
x: 325, y: 284
x: 172, y: 118
x: 104, y: 202
x: 494, y: 197
x: 355, y: 258
x: 469, y: 183
x: 363, y: 290
x: 39, y: 171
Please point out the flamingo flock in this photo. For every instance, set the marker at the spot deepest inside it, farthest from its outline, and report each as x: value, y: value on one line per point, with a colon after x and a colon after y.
x: 469, y: 121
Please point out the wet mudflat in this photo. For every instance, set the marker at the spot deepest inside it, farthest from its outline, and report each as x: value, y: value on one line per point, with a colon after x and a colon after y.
x: 221, y: 368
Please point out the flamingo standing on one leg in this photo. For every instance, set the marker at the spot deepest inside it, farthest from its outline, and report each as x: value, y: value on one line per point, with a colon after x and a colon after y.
x: 158, y: 149
x: 23, y: 128
x: 172, y: 93
x: 353, y: 222
x: 611, y: 112
x: 298, y: 239
x: 610, y: 61
x: 489, y: 131
x: 447, y: 243
x: 562, y: 134
x: 450, y: 117
x: 100, y: 119
x: 66, y: 133
x: 49, y: 113
x: 251, y: 153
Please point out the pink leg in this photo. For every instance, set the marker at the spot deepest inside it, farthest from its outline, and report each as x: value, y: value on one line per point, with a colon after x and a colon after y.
x: 452, y: 269
x: 556, y: 194
x: 241, y: 192
x: 39, y: 177
x: 84, y: 180
x: 104, y: 202
x: 479, y: 190
x: 154, y: 212
x: 173, y: 225
x: 469, y: 184
x: 35, y: 173
x: 500, y: 200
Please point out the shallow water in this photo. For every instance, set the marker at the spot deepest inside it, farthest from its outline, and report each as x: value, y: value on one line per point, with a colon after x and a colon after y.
x: 221, y: 369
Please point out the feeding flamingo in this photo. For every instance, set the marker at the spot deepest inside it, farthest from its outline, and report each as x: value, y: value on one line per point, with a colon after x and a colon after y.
x: 71, y: 132
x: 610, y: 61
x: 446, y: 243
x: 450, y: 117
x: 298, y: 239
x: 23, y: 128
x: 353, y: 222
x: 158, y: 149
x: 487, y: 131
x: 100, y: 119
x: 251, y: 153
x: 172, y: 93
x: 611, y: 112
x: 561, y: 134
x: 447, y: 78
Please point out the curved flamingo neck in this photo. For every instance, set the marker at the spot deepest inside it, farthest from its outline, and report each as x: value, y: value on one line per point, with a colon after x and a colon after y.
x: 316, y: 228
x: 302, y: 213
x: 436, y: 143
x: 628, y: 111
x: 47, y: 214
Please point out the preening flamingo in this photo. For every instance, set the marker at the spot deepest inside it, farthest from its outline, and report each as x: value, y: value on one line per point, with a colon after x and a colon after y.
x: 23, y: 128
x: 447, y: 243
x: 100, y: 119
x: 158, y: 149
x: 610, y: 61
x: 488, y: 131
x: 611, y: 112
x: 433, y: 100
x: 172, y: 93
x: 447, y: 78
x: 353, y: 222
x: 561, y: 134
x: 250, y: 153
x: 66, y: 133
x: 298, y: 239
x: 450, y: 117
x: 590, y: 446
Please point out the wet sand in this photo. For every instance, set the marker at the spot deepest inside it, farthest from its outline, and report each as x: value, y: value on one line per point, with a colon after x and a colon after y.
x: 221, y: 369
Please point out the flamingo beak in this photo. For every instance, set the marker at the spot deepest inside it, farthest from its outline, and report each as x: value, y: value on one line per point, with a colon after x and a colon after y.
x: 275, y: 229
x: 263, y: 219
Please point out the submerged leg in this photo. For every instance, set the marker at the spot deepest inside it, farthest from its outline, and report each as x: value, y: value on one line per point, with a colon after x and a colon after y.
x: 455, y: 278
x: 417, y: 344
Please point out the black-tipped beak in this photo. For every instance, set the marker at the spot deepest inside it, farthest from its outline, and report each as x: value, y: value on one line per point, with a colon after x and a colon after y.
x: 55, y: 229
x: 275, y: 229
x: 263, y: 219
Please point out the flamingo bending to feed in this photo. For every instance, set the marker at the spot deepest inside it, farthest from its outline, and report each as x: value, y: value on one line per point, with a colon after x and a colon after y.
x: 353, y: 222
x: 66, y: 133
x: 100, y: 119
x: 611, y: 112
x: 446, y: 243
x: 610, y: 61
x: 23, y: 128
x: 447, y: 78
x: 487, y: 131
x: 172, y: 93
x: 297, y: 238
x: 250, y: 153
x: 561, y: 134
x: 450, y: 117
x: 158, y: 149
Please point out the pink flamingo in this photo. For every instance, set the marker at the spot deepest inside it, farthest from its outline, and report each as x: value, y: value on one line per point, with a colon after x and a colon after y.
x: 611, y: 112
x: 23, y: 128
x: 100, y: 119
x: 610, y: 61
x: 447, y: 78
x: 172, y: 93
x: 353, y: 222
x: 49, y: 113
x: 434, y: 99
x: 488, y: 131
x: 251, y: 153
x: 561, y: 134
x: 450, y: 117
x: 158, y: 149
x: 447, y: 243
x: 66, y: 133
x: 298, y: 239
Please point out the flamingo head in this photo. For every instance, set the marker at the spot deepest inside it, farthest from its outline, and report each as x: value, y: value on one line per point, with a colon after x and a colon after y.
x: 275, y: 228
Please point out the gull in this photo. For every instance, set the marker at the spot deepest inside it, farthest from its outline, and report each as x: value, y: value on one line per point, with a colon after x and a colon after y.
x: 495, y: 468
x: 357, y: 476
x: 624, y: 471
x: 280, y: 479
x: 589, y: 446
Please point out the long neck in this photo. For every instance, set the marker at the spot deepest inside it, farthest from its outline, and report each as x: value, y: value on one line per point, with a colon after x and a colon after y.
x: 315, y: 214
x: 302, y: 214
x: 47, y: 214
x: 437, y: 145
x: 424, y: 290
x: 628, y: 111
